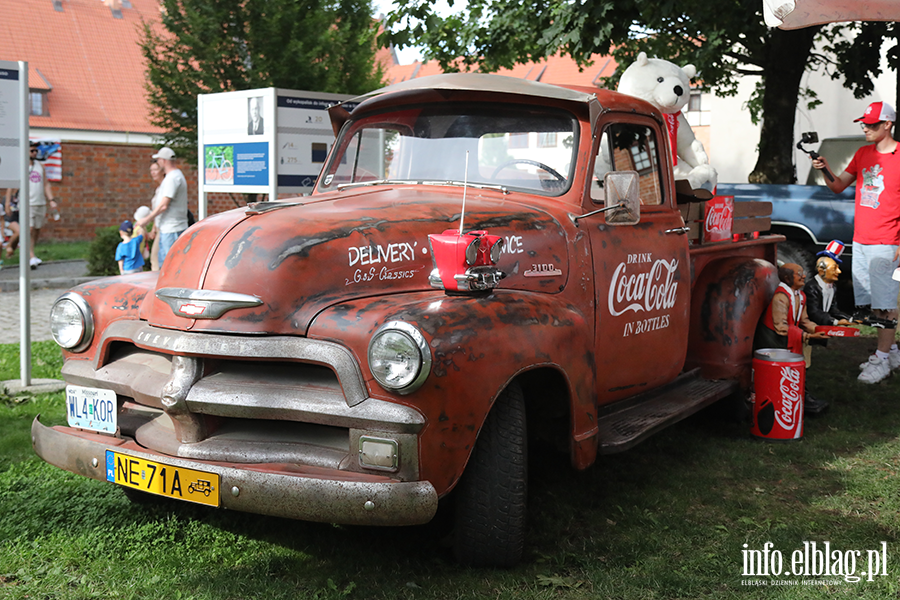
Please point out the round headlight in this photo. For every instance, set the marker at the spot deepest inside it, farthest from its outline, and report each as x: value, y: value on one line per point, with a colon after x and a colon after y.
x: 399, y: 357
x: 71, y: 323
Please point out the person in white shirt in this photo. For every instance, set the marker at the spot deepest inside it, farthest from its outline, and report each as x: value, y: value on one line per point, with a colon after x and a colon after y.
x: 172, y: 206
x: 40, y: 193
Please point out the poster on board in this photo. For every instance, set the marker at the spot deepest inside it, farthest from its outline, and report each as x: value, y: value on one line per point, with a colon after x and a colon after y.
x: 236, y: 135
x: 10, y: 123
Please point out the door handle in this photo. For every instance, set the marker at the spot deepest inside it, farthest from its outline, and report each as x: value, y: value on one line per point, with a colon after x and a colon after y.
x: 679, y: 230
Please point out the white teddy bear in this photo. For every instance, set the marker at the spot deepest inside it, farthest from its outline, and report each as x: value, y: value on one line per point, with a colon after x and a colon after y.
x: 667, y: 86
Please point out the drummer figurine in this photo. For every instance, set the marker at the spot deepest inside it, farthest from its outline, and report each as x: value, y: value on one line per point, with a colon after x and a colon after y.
x: 786, y: 324
x: 820, y: 290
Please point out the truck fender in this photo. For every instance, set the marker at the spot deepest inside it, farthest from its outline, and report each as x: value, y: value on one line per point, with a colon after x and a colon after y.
x: 479, y: 345
x: 728, y: 299
x: 111, y: 299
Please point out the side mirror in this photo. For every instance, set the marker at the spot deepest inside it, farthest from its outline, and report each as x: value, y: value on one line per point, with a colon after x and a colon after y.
x: 623, y: 199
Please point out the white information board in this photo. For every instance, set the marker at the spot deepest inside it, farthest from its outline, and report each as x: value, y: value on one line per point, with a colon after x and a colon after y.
x: 263, y: 141
x: 10, y: 124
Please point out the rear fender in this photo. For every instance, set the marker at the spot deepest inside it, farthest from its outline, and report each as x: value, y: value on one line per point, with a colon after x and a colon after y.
x: 729, y: 297
x: 478, y: 345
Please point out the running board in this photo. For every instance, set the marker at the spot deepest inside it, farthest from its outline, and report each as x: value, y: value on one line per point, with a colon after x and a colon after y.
x: 624, y: 427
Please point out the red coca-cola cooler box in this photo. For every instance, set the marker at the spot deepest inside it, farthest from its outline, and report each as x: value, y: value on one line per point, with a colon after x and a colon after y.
x: 779, y: 378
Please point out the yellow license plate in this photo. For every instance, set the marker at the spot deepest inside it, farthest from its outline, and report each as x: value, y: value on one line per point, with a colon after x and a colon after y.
x: 161, y: 479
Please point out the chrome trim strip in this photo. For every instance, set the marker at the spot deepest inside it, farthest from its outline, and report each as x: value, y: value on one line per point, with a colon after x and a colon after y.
x: 204, y: 304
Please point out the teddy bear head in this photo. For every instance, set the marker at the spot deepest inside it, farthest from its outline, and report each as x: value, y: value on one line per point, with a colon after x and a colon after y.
x: 661, y: 83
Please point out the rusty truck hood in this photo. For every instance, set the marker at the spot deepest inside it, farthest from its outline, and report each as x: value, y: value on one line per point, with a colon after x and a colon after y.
x: 297, y: 257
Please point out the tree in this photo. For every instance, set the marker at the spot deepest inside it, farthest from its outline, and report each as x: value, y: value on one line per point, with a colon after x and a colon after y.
x: 210, y: 46
x: 858, y: 59
x: 724, y: 40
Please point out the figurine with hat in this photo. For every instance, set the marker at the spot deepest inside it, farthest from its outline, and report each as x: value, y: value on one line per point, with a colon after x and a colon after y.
x: 821, y: 300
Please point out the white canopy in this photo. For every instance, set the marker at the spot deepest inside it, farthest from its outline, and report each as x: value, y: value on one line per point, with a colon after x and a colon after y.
x: 794, y: 14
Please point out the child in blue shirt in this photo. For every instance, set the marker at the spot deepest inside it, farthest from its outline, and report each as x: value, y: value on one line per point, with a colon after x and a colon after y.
x: 128, y: 252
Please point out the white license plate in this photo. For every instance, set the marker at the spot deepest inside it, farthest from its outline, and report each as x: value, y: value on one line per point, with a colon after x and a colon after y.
x: 91, y: 408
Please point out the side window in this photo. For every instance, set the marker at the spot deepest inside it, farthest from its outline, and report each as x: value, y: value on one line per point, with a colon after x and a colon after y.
x: 629, y: 147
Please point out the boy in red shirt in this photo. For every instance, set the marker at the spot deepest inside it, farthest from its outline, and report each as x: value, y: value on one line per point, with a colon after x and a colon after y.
x: 876, y: 229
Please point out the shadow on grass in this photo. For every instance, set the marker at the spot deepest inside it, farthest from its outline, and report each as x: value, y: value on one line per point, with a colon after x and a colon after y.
x: 668, y: 519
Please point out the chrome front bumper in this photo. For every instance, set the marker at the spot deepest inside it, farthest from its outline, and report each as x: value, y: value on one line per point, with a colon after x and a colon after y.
x: 309, y: 494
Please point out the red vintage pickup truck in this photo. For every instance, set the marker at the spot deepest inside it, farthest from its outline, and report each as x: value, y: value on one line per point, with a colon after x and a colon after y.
x: 484, y: 260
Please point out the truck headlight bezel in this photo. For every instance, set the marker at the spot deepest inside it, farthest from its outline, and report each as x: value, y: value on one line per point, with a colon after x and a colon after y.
x: 399, y: 344
x: 72, y: 322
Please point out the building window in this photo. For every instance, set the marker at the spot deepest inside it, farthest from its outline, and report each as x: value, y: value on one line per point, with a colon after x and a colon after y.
x: 694, y: 102
x: 39, y: 106
x: 641, y: 156
x: 518, y: 140
x: 546, y: 139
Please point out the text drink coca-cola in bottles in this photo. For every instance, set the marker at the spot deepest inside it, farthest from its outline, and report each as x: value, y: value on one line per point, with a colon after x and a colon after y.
x: 779, y: 381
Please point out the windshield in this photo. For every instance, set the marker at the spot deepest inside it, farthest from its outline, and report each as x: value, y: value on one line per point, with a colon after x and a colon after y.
x: 525, y: 148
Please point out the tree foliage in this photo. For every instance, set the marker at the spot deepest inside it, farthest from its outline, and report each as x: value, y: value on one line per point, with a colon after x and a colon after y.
x: 858, y: 56
x: 724, y: 40
x: 210, y: 46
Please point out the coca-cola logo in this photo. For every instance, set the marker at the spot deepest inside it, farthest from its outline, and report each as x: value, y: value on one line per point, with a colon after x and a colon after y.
x: 719, y: 218
x: 788, y: 414
x: 648, y: 291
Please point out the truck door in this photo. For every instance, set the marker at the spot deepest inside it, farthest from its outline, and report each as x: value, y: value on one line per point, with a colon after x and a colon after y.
x: 641, y: 272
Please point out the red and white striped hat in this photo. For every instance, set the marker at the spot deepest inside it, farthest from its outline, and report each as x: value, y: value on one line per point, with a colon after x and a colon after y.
x: 833, y: 250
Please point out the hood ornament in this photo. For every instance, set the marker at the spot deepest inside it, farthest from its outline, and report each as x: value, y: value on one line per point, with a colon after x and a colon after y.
x: 204, y: 304
x: 465, y: 262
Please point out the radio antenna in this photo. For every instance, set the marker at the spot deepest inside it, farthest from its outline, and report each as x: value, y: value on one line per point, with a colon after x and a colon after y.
x: 462, y: 215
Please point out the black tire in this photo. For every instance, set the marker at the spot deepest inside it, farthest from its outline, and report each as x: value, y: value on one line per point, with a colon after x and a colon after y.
x: 792, y: 252
x: 491, y: 496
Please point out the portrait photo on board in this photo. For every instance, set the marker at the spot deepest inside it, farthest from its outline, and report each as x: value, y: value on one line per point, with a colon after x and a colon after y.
x: 255, y: 124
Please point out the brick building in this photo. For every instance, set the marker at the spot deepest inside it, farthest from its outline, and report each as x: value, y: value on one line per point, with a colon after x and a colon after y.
x: 86, y: 84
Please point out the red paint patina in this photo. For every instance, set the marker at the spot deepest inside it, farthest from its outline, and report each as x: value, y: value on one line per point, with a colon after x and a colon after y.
x: 361, y: 342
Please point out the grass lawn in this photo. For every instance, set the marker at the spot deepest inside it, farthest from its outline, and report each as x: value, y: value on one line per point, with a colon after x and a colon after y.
x: 666, y: 520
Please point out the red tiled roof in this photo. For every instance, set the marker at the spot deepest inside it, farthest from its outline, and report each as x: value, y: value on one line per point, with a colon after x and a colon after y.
x: 559, y: 70
x: 90, y: 59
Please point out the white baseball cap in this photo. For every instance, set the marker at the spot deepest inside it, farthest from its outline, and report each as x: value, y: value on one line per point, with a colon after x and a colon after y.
x: 165, y: 152
x: 141, y: 212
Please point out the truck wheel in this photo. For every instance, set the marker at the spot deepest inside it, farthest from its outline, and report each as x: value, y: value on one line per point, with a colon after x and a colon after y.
x: 792, y: 252
x: 491, y: 495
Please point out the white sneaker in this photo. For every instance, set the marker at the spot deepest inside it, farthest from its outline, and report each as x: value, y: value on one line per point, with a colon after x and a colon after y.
x: 875, y: 370
x: 893, y: 361
x: 34, y: 262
